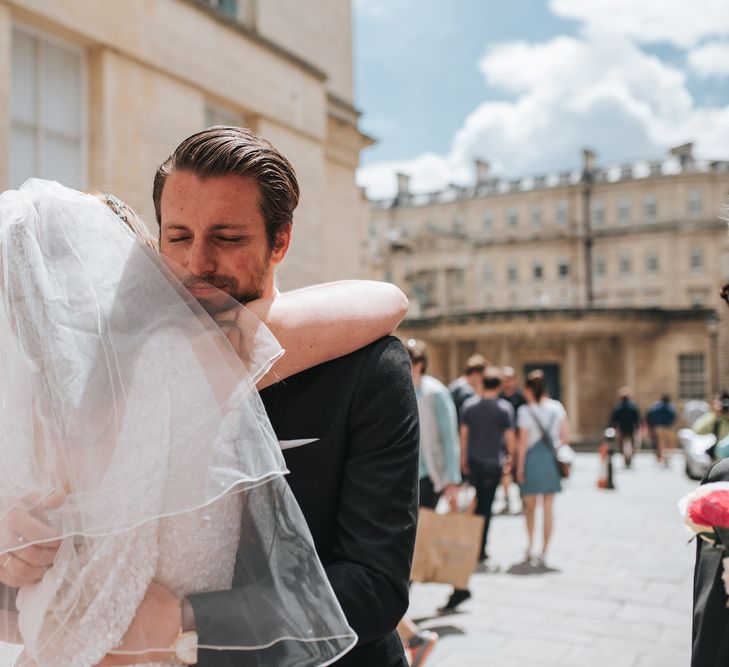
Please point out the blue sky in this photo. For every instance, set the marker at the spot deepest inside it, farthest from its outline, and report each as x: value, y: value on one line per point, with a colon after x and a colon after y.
x: 526, y: 84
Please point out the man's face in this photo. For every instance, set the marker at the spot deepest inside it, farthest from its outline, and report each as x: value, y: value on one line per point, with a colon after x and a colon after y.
x: 508, y: 384
x: 475, y: 379
x: 213, y: 228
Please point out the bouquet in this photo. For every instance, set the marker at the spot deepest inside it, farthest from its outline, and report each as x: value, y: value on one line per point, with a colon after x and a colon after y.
x: 706, y: 513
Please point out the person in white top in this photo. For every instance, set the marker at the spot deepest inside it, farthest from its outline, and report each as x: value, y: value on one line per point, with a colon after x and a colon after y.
x: 543, y: 426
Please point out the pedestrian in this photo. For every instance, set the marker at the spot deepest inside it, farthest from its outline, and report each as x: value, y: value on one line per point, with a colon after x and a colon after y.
x: 468, y: 384
x: 543, y: 426
x: 439, y: 469
x: 487, y: 445
x: 510, y: 392
x: 625, y: 419
x: 715, y: 421
x: 661, y: 419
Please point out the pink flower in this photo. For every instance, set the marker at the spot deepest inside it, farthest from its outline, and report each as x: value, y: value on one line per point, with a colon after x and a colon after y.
x: 711, y: 509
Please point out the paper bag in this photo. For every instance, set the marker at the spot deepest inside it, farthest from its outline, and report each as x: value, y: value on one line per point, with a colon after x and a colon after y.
x: 446, y: 547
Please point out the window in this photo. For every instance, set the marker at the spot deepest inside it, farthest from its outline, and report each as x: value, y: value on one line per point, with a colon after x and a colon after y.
x: 623, y: 211
x: 538, y: 270
x: 600, y: 267
x: 598, y: 213
x: 487, y: 275
x: 691, y: 376
x: 46, y: 121
x: 563, y: 269
x: 625, y: 265
x: 651, y: 263
x: 459, y: 278
x: 694, y: 204
x: 653, y: 299
x: 697, y: 260
x: 512, y: 272
x: 229, y: 7
x: 650, y: 208
x: 536, y: 217
x: 459, y: 225
x: 512, y: 219
x: 698, y: 297
x: 487, y: 222
x: 561, y: 213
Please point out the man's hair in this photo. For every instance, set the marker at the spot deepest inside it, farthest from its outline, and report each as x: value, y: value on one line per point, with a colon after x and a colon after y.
x: 418, y: 352
x: 535, y: 382
x: 223, y: 151
x: 666, y: 398
x: 492, y: 378
x: 475, y: 364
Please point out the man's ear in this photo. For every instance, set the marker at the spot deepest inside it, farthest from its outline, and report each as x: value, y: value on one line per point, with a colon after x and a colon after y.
x: 283, y: 241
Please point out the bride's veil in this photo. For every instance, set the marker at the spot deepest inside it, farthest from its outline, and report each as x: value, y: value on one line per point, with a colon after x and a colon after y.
x: 119, y: 390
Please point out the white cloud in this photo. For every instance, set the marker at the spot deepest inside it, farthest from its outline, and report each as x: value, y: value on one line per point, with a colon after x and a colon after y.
x: 598, y: 90
x: 711, y: 59
x: 683, y: 23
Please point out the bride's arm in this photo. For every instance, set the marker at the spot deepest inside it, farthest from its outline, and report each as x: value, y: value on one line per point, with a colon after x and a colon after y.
x: 323, y: 322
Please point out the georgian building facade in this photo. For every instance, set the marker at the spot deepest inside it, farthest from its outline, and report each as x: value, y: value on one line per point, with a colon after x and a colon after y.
x: 97, y: 94
x: 603, y: 277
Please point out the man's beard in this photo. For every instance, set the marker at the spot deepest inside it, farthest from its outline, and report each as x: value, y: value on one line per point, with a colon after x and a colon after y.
x: 229, y: 289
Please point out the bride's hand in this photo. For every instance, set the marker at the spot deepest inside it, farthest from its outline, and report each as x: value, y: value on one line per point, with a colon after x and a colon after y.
x: 27, y: 565
x: 156, y: 625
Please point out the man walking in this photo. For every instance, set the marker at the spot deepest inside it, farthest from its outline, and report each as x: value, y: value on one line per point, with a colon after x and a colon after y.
x: 625, y: 419
x: 469, y: 383
x: 661, y: 418
x: 487, y: 445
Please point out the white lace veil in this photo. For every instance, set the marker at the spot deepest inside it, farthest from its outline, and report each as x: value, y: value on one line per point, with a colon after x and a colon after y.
x: 119, y: 390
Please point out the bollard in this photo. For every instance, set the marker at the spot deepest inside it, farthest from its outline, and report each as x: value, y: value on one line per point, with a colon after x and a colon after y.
x: 606, y: 479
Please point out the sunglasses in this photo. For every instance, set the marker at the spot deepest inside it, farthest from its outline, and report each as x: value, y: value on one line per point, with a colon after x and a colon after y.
x: 724, y: 294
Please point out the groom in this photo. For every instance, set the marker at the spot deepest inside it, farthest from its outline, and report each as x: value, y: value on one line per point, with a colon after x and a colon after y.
x: 224, y: 201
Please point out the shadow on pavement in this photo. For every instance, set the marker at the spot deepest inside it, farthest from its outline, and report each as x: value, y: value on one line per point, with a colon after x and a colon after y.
x: 445, y: 630
x: 525, y: 568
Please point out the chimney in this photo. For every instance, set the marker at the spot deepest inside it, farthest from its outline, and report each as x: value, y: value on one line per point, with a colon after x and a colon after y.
x: 626, y: 171
x: 403, y: 187
x: 482, y: 172
x: 588, y: 160
x: 684, y: 153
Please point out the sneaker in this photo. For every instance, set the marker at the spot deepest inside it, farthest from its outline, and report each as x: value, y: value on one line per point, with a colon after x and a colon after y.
x: 456, y: 598
x: 420, y: 646
x: 538, y: 561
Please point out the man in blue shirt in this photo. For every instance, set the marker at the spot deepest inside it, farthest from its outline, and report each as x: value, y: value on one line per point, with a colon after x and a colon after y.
x: 661, y: 418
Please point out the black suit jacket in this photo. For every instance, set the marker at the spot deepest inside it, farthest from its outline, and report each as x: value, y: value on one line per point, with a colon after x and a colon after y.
x: 357, y: 488
x: 710, y: 645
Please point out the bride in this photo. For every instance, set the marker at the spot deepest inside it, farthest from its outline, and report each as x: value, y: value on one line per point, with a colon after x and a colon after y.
x: 132, y: 427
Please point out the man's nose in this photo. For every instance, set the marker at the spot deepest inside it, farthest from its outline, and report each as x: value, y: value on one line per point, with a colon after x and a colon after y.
x: 201, y: 259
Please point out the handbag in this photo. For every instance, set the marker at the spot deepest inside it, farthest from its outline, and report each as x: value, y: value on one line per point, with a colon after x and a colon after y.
x: 447, y: 547
x: 563, y: 468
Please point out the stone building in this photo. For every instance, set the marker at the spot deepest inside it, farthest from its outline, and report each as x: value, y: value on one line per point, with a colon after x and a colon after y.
x: 603, y: 277
x: 97, y: 94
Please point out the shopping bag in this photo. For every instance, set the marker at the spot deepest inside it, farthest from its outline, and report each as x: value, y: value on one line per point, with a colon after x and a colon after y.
x: 446, y: 547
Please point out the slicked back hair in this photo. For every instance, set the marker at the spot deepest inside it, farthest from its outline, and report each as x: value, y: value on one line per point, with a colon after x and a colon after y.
x: 226, y: 150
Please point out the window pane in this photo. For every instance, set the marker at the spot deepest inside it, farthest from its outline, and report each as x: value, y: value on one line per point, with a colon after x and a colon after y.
x: 61, y: 90
x: 24, y: 82
x: 22, y: 152
x: 61, y: 161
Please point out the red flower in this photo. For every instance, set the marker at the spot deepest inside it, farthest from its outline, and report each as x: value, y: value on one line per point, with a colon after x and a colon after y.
x: 711, y: 509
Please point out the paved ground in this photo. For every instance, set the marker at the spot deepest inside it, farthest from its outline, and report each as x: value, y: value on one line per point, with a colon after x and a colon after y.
x: 618, y: 593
